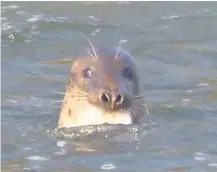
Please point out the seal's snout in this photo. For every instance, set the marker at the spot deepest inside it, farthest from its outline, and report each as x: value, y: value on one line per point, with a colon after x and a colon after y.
x: 111, y: 100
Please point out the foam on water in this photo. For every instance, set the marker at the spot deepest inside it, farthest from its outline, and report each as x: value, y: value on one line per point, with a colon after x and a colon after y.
x: 36, y: 158
x: 189, y: 91
x: 95, y: 32
x: 12, y: 101
x: 203, y: 84
x: 7, y: 26
x: 170, y: 17
x: 186, y: 101
x: 3, y: 19
x: 199, y: 158
x: 61, y: 143
x: 35, y: 18
x: 123, y: 41
x: 213, y: 165
x: 21, y: 12
x: 35, y: 167
x: 202, y: 11
x: 10, y: 7
x: 62, y: 18
x: 27, y: 41
x: 124, y: 2
x: 103, y: 131
x: 93, y: 18
x: 11, y: 36
x: 108, y: 166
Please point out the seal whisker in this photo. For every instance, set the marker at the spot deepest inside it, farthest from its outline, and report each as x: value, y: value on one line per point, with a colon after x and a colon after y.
x: 84, y: 97
x: 75, y: 93
x: 138, y: 96
x: 143, y: 106
x: 139, y: 100
x: 139, y: 108
x: 149, y: 117
x: 75, y: 89
x: 141, y: 113
x: 91, y: 55
x: 57, y: 102
x: 132, y: 111
x: 122, y: 53
x: 97, y: 57
x: 80, y: 99
x: 60, y: 101
x: 56, y: 107
x: 78, y: 93
x: 137, y: 113
x: 120, y: 56
x: 119, y: 46
x: 139, y: 104
x: 57, y: 93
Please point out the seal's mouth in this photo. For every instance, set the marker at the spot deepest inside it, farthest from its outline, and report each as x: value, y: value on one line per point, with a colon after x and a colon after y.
x: 94, y: 115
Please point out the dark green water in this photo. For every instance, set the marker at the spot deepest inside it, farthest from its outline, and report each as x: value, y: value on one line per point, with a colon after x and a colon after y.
x: 175, y: 47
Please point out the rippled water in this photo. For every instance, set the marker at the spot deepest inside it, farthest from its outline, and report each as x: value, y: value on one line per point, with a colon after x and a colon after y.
x: 175, y: 47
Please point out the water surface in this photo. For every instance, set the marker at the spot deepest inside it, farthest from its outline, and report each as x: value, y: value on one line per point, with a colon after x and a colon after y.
x: 175, y: 47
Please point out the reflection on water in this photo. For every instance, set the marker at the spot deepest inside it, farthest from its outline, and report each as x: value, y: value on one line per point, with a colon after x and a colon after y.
x: 174, y: 45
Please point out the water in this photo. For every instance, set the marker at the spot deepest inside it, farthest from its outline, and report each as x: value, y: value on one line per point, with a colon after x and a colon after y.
x: 175, y: 47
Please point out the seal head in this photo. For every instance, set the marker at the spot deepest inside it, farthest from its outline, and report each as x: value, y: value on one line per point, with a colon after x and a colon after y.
x: 103, y: 88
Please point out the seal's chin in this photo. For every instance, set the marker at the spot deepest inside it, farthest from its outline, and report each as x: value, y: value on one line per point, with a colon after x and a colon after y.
x: 93, y: 115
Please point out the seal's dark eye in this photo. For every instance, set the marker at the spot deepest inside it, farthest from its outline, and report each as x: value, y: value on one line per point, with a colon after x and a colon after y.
x: 127, y: 73
x: 87, y: 73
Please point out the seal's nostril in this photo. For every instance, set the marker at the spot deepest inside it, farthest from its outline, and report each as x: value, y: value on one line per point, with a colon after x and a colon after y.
x: 105, y: 98
x: 111, y: 100
x: 119, y: 99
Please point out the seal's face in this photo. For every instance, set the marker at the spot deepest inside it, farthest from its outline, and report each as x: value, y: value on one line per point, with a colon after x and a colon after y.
x: 104, y: 88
